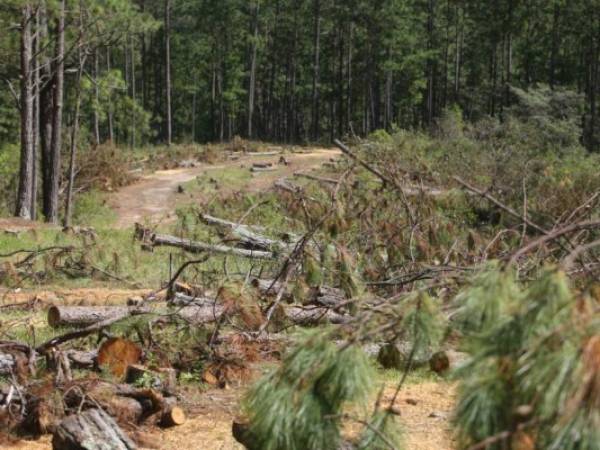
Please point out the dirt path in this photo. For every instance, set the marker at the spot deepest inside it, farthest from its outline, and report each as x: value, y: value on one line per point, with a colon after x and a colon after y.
x: 154, y: 196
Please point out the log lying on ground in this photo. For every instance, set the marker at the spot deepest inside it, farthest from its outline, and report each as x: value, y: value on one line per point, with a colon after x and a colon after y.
x: 7, y: 363
x: 447, y: 360
x: 202, y: 247
x: 247, y: 235
x: 311, y: 316
x: 84, y: 315
x: 93, y: 429
x: 316, y: 178
x: 81, y: 316
x: 398, y: 354
x: 262, y: 169
x: 81, y: 359
x: 181, y: 300
x: 271, y: 288
x: 263, y: 165
x: 324, y: 295
x: 127, y: 404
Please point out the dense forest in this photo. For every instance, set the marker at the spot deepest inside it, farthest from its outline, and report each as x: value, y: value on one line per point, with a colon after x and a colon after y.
x: 300, y: 224
x: 151, y: 71
x: 292, y: 70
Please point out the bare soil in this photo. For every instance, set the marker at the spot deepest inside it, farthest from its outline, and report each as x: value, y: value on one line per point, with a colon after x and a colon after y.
x: 154, y: 196
x: 425, y: 418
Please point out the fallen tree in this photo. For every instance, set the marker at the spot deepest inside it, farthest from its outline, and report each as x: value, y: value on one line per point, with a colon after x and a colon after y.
x: 190, y: 246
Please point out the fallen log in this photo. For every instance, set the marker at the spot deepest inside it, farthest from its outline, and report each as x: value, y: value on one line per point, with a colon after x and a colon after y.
x: 81, y: 359
x: 127, y: 404
x: 247, y: 235
x: 447, y: 360
x: 7, y: 363
x: 202, y: 247
x: 263, y: 165
x: 81, y: 316
x: 93, y: 429
x: 262, y: 169
x: 322, y: 296
x: 182, y: 300
x: 316, y: 178
x: 311, y: 316
x: 398, y: 355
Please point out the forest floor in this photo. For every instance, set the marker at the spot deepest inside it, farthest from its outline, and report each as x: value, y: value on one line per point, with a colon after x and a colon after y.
x: 425, y: 402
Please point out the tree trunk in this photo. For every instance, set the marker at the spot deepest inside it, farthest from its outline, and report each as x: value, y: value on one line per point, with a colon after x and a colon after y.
x: 111, y: 130
x: 24, y: 197
x: 74, y: 134
x: 36, y: 116
x: 252, y: 81
x: 97, y: 100
x: 169, y: 123
x: 53, y: 185
x: 82, y: 316
x: 133, y: 93
x: 316, y: 69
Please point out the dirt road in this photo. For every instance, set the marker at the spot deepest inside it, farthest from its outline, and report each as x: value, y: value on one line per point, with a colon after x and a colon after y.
x: 154, y: 196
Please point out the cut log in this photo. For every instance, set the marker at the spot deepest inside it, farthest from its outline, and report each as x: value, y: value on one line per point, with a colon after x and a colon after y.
x: 173, y: 416
x: 263, y: 165
x: 447, y: 360
x: 270, y: 288
x: 311, y: 316
x: 397, y: 355
x: 7, y: 363
x: 327, y: 296
x: 321, y: 296
x: 82, y: 316
x: 198, y: 315
x: 195, y: 314
x: 93, y: 429
x: 316, y: 178
x: 262, y: 169
x: 248, y: 236
x: 187, y: 300
x: 202, y: 247
x: 82, y: 359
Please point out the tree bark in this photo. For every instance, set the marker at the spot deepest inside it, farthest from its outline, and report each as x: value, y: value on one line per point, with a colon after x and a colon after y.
x: 54, y: 173
x: 316, y: 68
x: 24, y: 195
x: 75, y: 130
x: 90, y: 430
x: 252, y: 80
x: 169, y: 123
x: 202, y: 247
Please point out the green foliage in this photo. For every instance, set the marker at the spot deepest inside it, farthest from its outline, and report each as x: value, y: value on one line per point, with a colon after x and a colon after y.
x: 91, y: 210
x: 298, y: 406
x: 541, y: 350
x: 9, y: 166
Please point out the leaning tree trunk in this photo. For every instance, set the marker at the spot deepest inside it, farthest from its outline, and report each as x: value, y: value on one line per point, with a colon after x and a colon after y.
x: 24, y: 197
